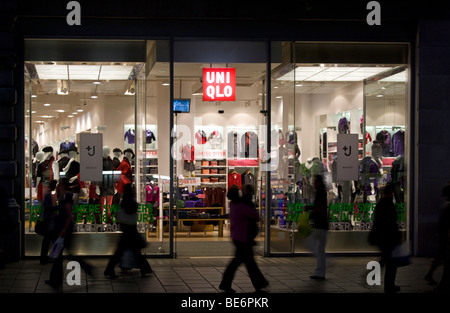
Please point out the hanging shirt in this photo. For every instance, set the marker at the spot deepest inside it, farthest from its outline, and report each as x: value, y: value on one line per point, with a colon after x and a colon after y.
x: 234, y: 145
x: 201, y: 137
x: 234, y: 178
x: 250, y: 145
x: 398, y: 143
x: 149, y: 136
x: 215, y: 139
x: 129, y: 136
x: 66, y: 145
x: 385, y: 138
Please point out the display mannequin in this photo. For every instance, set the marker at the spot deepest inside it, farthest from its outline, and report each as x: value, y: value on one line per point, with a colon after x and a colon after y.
x: 105, y: 189
x: 72, y: 173
x: 39, y: 157
x: 152, y: 197
x: 187, y: 153
x: 47, y: 170
x: 117, y: 154
x: 371, y: 171
x: 126, y: 176
x: 63, y: 159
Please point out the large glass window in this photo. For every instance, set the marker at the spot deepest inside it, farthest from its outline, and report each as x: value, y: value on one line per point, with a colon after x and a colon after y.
x: 331, y: 99
x: 101, y: 93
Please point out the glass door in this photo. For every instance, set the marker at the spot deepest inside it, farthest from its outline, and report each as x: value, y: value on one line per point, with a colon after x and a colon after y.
x: 219, y: 140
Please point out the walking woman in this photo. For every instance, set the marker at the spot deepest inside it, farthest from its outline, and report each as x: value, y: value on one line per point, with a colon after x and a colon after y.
x: 130, y: 239
x: 243, y: 218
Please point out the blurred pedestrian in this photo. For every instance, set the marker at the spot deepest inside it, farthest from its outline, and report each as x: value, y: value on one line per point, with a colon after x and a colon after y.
x: 130, y: 239
x: 64, y: 228
x: 319, y: 218
x: 243, y: 219
x: 49, y: 212
x: 443, y: 232
x: 387, y: 236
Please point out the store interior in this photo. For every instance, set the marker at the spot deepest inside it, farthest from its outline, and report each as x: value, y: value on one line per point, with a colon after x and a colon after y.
x: 126, y: 103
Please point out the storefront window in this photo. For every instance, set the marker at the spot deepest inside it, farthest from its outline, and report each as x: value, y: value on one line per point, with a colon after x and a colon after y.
x: 97, y: 105
x: 346, y: 122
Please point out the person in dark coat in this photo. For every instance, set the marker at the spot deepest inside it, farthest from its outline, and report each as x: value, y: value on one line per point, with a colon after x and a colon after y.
x: 387, y: 236
x: 243, y: 218
x: 319, y: 217
x: 443, y: 232
x: 130, y: 239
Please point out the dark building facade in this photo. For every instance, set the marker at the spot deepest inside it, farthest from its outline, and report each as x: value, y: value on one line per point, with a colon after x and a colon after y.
x: 425, y: 32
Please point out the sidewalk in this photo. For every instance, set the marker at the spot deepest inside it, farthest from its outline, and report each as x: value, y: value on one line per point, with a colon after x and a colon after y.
x: 203, y: 275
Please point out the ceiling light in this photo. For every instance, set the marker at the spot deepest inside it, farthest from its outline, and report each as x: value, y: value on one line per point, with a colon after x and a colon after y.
x: 79, y: 110
x: 46, y: 116
x: 97, y: 83
x: 33, y: 96
x: 341, y: 74
x: 380, y: 96
x: 60, y: 111
x: 83, y: 72
x: 46, y: 104
x: 165, y: 84
x: 94, y: 97
x: 75, y: 113
x: 33, y: 112
x: 69, y: 115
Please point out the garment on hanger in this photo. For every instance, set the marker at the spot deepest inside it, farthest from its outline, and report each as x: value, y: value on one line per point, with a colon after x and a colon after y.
x: 201, y: 138
x: 129, y: 136
x: 398, y: 143
x: 249, y: 145
x: 343, y: 125
x: 371, y: 171
x: 234, y: 145
x: 149, y: 136
x: 368, y: 138
x: 234, y: 178
x: 386, y: 143
x: 152, y: 195
x: 215, y: 139
x: 66, y: 145
x: 249, y: 179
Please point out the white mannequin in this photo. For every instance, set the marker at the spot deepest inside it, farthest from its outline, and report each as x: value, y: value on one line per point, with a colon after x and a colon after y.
x: 72, y: 156
x: 43, y: 156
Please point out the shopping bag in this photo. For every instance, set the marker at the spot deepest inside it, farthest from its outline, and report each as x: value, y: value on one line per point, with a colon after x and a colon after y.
x: 56, y: 248
x: 303, y: 225
x: 400, y: 255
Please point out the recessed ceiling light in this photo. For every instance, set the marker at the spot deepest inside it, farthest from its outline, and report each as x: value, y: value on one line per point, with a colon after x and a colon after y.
x: 380, y: 96
x: 69, y: 115
x: 166, y: 84
x: 94, y: 97
x: 298, y: 85
x: 46, y: 104
x: 75, y: 113
x: 60, y: 111
x: 97, y: 83
x: 79, y: 110
x: 33, y: 96
x: 33, y: 112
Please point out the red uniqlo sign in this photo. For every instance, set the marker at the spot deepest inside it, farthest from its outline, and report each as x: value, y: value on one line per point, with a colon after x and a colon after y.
x: 219, y: 84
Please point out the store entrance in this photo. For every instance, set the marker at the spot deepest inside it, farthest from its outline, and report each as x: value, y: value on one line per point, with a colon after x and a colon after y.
x: 220, y: 130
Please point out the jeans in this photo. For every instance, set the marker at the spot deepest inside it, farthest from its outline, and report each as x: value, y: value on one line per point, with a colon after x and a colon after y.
x: 319, y: 241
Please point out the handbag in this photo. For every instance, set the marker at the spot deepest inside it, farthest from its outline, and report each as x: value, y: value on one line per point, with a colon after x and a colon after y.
x: 400, y: 255
x: 56, y: 248
x: 304, y: 227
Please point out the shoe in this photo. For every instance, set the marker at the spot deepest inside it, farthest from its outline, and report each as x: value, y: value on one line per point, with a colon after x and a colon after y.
x: 110, y: 275
x: 52, y: 284
x: 430, y: 279
x: 260, y: 288
x: 145, y: 273
x: 317, y: 277
x: 392, y: 289
x: 227, y: 290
